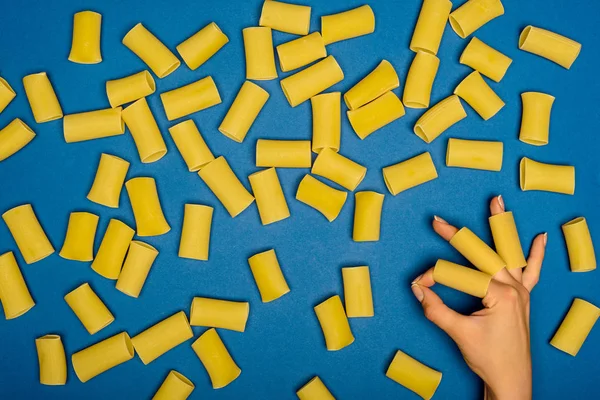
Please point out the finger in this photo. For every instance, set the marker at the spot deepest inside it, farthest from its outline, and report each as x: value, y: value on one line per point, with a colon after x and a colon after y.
x: 440, y: 314
x: 426, y: 279
x: 497, y: 206
x: 531, y: 274
x: 443, y: 228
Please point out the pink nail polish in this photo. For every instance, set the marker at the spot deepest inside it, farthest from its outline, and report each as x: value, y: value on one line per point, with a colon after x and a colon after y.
x: 418, y: 292
x: 438, y: 219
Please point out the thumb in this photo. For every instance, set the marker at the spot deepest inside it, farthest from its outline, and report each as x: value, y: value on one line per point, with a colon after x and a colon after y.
x: 439, y: 313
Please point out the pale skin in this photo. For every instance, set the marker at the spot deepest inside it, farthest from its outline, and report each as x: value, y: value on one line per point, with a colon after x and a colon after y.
x: 495, y: 341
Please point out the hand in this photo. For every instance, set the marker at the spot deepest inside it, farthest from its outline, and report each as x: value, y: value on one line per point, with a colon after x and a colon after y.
x: 495, y: 340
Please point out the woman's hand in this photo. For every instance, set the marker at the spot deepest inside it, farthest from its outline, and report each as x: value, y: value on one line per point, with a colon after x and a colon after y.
x: 495, y: 340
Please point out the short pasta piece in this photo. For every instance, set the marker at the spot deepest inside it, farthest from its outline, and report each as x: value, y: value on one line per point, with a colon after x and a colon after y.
x: 349, y: 24
x: 485, y: 59
x: 576, y: 327
x: 28, y: 233
x: 268, y: 276
x: 195, y: 233
x: 7, y: 94
x: 552, y: 46
x: 201, y: 46
x: 357, y: 292
x: 286, y: 17
x: 13, y: 137
x: 379, y: 81
x: 409, y: 173
x: 475, y: 154
x: 473, y: 14
x: 419, y: 81
x: 477, y: 93
x: 477, y: 252
x: 327, y: 121
x: 260, y: 56
x: 506, y: 240
x: 89, y: 308
x: 85, y: 48
x: 191, y: 98
x: 42, y: 98
x: 102, y: 356
x: 51, y: 360
x: 430, y: 26
x: 300, y: 52
x: 546, y: 177
x: 135, y: 270
x: 323, y: 198
x: 243, y: 111
x: 149, y: 217
x: 130, y: 88
x: 217, y: 313
x: 270, y: 200
x: 110, y: 176
x: 375, y: 115
x: 311, y: 81
x: 439, y: 118
x: 16, y: 299
x: 535, y: 122
x: 339, y: 169
x: 461, y: 278
x: 175, y: 387
x: 222, y: 181
x: 162, y: 337
x: 93, y: 125
x: 221, y: 368
x: 191, y: 145
x: 113, y: 248
x: 579, y: 245
x: 334, y: 323
x: 283, y: 153
x: 144, y: 129
x: 414, y: 375
x: 79, y: 239
x: 367, y: 216
x: 151, y: 51
x: 315, y: 389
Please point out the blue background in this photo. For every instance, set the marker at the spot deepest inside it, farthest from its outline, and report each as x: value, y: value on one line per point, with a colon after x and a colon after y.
x: 283, y: 346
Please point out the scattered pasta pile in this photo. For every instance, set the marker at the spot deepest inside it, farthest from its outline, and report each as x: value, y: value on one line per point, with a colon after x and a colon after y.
x: 371, y: 105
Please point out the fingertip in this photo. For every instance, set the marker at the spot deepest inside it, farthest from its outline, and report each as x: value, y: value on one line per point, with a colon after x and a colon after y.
x: 443, y: 228
x: 497, y: 205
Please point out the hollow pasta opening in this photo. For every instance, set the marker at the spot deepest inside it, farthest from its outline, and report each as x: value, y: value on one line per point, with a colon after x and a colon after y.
x: 144, y: 245
x: 285, y: 92
x: 6, y: 85
x: 150, y: 80
x: 154, y: 156
x: 170, y: 69
x: 420, y: 132
x: 534, y: 142
x: 388, y: 184
x: 575, y: 221
x: 523, y: 173
x: 182, y: 378
x: 415, y: 104
x: 524, y: 35
x: 50, y: 337
x: 24, y: 126
x: 21, y: 312
x: 457, y: 28
x: 128, y: 344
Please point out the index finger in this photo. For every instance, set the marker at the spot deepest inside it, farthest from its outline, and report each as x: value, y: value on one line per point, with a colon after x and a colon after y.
x: 443, y: 228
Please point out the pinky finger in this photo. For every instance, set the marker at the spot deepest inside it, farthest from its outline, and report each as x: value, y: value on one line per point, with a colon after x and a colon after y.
x: 531, y: 273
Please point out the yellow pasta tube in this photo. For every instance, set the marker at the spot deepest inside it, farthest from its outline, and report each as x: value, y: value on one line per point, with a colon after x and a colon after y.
x: 114, y: 245
x: 190, y: 98
x: 367, y: 216
x: 221, y: 180
x: 466, y: 280
x: 315, y: 389
x: 327, y: 122
x: 243, y: 111
x: 14, y: 293
x: 506, y: 240
x: 216, y: 313
x: 175, y: 387
x: 93, y: 125
x: 135, y: 270
x: 485, y: 59
x: 52, y: 360
x: 579, y: 245
x: 283, y: 153
x: 334, y: 323
x: 438, y: 118
x: 552, y: 46
x: 89, y: 308
x: 13, y: 137
x: 474, y: 154
x: 268, y: 276
x: 144, y: 129
x: 85, y: 48
x: 79, y: 240
x: 576, y: 327
x: 323, y: 198
x: 473, y: 14
x: 195, y: 233
x: 477, y: 252
x: 191, y: 145
x: 339, y: 169
x: 535, y: 122
x: 357, y: 292
x: 270, y: 200
x: 300, y: 52
x: 42, y: 98
x: 149, y: 218
x: 162, y: 337
x: 130, y: 88
x: 430, y: 26
x: 348, y: 24
x: 28, y: 233
x: 375, y: 115
x: 286, y: 17
x: 260, y: 56
x: 110, y: 176
x: 419, y: 81
x: 414, y: 375
x: 221, y: 368
x: 479, y: 95
x: 201, y: 46
x: 409, y: 173
x: 546, y: 177
x: 311, y: 81
x: 102, y: 356
x: 381, y: 80
x: 7, y: 94
x: 151, y: 51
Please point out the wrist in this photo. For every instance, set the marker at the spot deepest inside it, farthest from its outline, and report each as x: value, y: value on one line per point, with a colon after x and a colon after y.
x: 520, y: 391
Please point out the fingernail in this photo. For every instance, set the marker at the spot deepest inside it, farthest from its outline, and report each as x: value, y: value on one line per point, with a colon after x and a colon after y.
x: 417, y: 279
x: 438, y: 219
x: 545, y: 238
x: 418, y: 292
x: 501, y: 201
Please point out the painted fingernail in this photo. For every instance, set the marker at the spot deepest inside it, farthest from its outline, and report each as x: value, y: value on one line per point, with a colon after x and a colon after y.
x: 441, y: 220
x: 418, y: 292
x: 501, y: 201
x: 545, y: 238
x: 417, y: 279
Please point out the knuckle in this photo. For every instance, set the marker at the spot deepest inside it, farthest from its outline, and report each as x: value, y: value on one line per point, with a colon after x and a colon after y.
x: 431, y: 313
x: 510, y: 293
